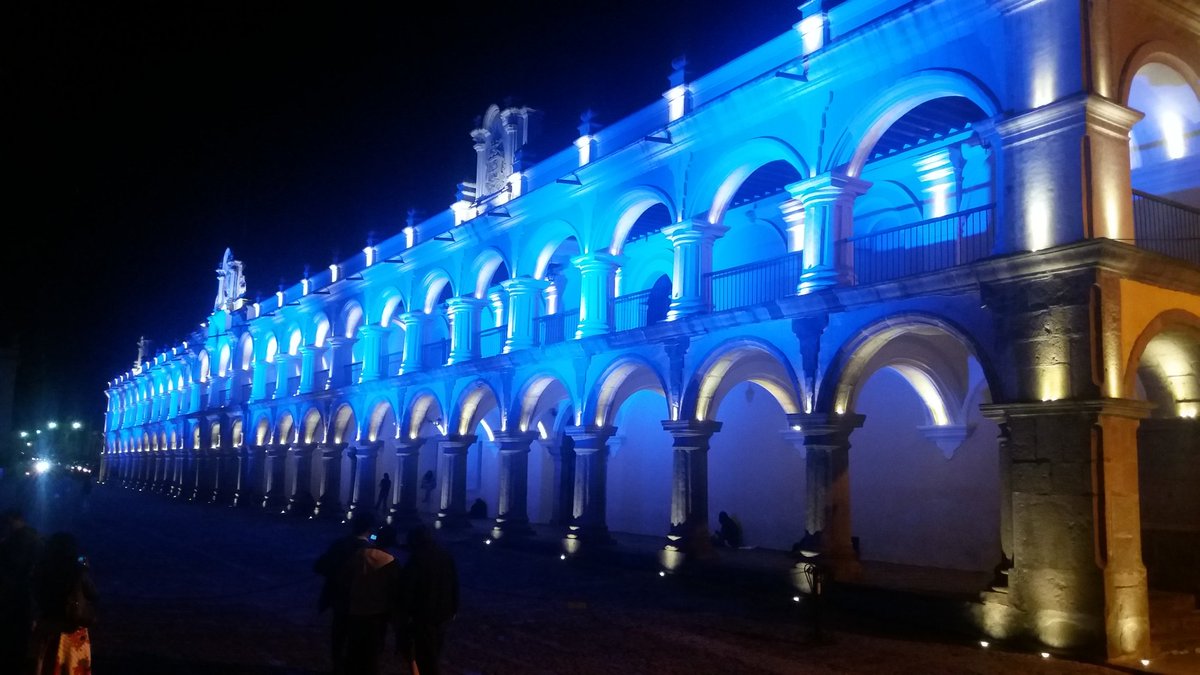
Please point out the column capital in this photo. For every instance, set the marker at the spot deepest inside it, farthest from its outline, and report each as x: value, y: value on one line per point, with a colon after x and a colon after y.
x: 336, y: 341
x: 820, y: 428
x: 696, y: 431
x: 589, y: 435
x: 515, y: 441
x: 410, y: 318
x: 456, y: 443
x: 827, y: 187
x: 463, y: 303
x: 370, y: 329
x: 696, y: 229
x: 524, y: 285
x: 596, y: 261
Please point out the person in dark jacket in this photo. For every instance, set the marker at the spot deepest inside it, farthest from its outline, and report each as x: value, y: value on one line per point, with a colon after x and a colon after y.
x: 20, y: 548
x: 335, y: 591
x: 66, y: 602
x: 430, y: 597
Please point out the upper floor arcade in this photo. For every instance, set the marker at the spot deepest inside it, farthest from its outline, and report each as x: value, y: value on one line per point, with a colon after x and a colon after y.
x: 797, y: 169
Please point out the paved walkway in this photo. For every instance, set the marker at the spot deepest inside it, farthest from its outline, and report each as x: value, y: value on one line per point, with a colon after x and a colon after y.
x: 191, y: 589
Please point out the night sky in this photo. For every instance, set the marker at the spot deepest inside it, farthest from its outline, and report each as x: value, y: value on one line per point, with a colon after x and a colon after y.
x: 145, y: 138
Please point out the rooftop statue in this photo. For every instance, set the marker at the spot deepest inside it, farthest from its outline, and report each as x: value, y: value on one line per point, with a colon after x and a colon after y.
x: 231, y: 284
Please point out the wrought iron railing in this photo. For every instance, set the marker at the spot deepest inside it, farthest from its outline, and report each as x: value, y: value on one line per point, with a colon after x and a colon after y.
x: 927, y: 246
x: 554, y: 328
x: 491, y: 340
x: 293, y: 386
x: 630, y: 311
x: 320, y: 380
x: 754, y: 283
x: 1166, y: 227
x: 434, y: 354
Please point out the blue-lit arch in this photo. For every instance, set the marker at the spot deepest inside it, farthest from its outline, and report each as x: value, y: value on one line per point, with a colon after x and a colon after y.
x: 859, y: 137
x: 620, y: 379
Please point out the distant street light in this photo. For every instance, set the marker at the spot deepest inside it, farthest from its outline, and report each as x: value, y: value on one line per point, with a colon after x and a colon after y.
x: 76, y: 425
x: 52, y: 425
x: 24, y: 434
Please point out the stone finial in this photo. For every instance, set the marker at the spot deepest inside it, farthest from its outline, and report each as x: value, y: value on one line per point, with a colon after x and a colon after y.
x: 587, y: 126
x: 679, y: 71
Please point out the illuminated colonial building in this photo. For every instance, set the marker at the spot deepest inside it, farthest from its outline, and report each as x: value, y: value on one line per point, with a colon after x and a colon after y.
x: 920, y: 279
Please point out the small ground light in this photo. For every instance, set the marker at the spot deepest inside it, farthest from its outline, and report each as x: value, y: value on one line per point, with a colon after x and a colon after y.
x: 661, y: 573
x: 562, y: 557
x: 1045, y: 655
x: 488, y: 542
x: 1145, y: 663
x: 984, y: 643
x: 795, y: 598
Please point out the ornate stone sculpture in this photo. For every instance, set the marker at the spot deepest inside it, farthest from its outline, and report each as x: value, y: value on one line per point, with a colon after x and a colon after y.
x: 231, y: 284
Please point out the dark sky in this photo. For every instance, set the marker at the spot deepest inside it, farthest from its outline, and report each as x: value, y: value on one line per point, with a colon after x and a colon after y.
x: 145, y: 138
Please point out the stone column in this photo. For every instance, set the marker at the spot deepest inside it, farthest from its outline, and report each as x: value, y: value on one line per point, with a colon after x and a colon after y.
x: 562, y: 453
x: 1067, y: 174
x: 463, y: 312
x: 591, y: 487
x: 282, y: 374
x: 225, y: 465
x: 406, y: 484
x: 197, y: 467
x: 523, y: 294
x: 310, y: 356
x: 372, y: 336
x: 826, y: 439
x: 341, y: 355
x: 1077, y: 568
x: 250, y: 478
x: 693, y: 242
x: 828, y: 202
x: 413, y: 322
x: 512, y: 511
x: 329, y: 491
x: 275, y: 495
x: 452, y: 482
x: 362, y: 485
x: 298, y: 479
x: 689, y: 533
x: 597, y: 272
x: 1004, y: 454
x: 258, y: 381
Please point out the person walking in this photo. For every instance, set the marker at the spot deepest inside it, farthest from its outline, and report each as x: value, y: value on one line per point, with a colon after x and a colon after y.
x: 384, y: 500
x: 430, y: 597
x: 335, y: 590
x: 66, y: 601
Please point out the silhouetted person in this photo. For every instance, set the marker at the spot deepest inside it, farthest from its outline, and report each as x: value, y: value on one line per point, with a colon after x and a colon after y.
x: 384, y: 500
x: 428, y: 483
x: 66, y: 602
x: 730, y: 533
x: 373, y: 583
x: 20, y: 548
x: 430, y: 597
x: 335, y: 591
x: 478, y: 509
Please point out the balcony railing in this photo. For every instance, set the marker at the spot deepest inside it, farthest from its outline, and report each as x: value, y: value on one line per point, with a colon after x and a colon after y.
x: 754, y: 283
x: 554, y: 328
x: 927, y: 246
x: 1166, y: 227
x: 434, y: 354
x: 630, y: 311
x: 245, y: 391
x: 394, y: 361
x: 491, y: 340
x: 320, y: 379
x: 293, y: 385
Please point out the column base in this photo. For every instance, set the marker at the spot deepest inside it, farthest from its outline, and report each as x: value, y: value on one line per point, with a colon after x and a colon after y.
x: 328, y: 509
x: 404, y: 519
x: 511, y: 528
x: 452, y: 521
x: 581, y: 537
x: 274, y: 502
